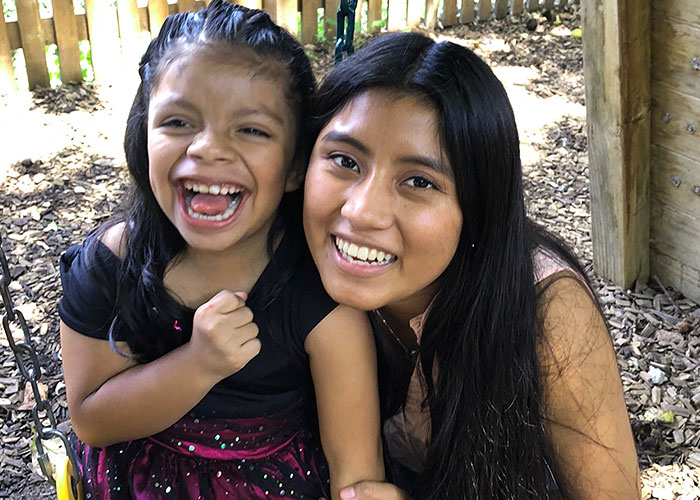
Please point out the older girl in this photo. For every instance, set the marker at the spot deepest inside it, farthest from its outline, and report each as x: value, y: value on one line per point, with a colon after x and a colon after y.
x: 499, y: 379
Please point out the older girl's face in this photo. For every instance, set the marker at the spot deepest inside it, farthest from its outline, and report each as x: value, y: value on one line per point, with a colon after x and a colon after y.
x: 380, y: 205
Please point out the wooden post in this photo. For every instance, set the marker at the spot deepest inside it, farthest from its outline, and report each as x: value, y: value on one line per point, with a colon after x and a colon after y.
x: 7, y: 71
x: 130, y: 34
x: 287, y: 15
x: 533, y: 5
x: 330, y: 11
x: 185, y: 5
x: 358, y: 15
x: 309, y: 18
x: 449, y: 13
x: 374, y: 14
x: 617, y: 62
x: 517, y: 6
x: 103, y: 33
x: 548, y: 4
x: 466, y: 14
x: 32, y: 37
x: 484, y: 9
x: 67, y: 41
x: 157, y: 12
x: 431, y: 12
x: 501, y: 9
x: 270, y: 6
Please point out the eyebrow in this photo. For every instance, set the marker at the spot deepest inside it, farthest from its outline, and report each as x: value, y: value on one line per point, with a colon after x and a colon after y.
x: 241, y: 113
x: 426, y: 161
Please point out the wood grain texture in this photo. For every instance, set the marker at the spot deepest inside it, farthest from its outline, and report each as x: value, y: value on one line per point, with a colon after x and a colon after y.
x: 617, y: 67
x: 7, y: 72
x: 675, y: 178
x: 681, y: 276
x: 682, y: 11
x: 66, y: 30
x: 675, y: 120
x: 674, y: 48
x: 484, y: 9
x: 309, y: 18
x: 33, y: 45
x: 533, y: 5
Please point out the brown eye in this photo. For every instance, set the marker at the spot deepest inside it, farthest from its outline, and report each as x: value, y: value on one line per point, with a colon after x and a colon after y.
x: 419, y: 182
x: 344, y: 161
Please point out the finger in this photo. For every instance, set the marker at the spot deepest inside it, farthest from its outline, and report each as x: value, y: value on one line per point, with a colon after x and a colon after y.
x: 372, y: 490
x: 240, y: 317
x: 225, y: 302
x: 251, y: 348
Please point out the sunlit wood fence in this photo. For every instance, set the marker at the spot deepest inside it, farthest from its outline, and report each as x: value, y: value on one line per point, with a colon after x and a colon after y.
x: 118, y: 30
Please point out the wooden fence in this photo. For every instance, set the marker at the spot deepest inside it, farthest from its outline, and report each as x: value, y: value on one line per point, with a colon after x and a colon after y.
x: 118, y: 31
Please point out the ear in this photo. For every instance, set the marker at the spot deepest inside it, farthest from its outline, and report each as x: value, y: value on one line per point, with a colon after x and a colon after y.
x: 295, y: 176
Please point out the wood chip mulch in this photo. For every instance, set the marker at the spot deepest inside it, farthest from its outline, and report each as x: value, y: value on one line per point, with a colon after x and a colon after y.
x: 49, y: 203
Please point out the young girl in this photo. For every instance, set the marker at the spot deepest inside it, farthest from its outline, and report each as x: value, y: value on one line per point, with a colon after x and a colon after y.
x: 498, y: 377
x: 195, y: 331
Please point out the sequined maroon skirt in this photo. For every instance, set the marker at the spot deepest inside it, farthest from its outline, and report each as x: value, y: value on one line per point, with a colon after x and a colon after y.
x: 269, y: 457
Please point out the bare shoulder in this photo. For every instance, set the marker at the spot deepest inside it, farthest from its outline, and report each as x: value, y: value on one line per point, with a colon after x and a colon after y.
x: 114, y: 238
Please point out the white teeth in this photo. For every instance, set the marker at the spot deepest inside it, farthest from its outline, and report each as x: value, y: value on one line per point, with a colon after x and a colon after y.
x: 362, y: 255
x: 213, y: 189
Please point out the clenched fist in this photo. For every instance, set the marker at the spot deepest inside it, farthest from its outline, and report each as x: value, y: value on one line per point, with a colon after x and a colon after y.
x: 224, y: 336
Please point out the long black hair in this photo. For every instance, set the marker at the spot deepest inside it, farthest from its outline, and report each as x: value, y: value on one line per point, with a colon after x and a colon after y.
x: 144, y: 309
x: 482, y: 330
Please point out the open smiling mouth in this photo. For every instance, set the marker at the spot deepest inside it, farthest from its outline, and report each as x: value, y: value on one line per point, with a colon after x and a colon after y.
x: 363, y: 256
x: 212, y: 202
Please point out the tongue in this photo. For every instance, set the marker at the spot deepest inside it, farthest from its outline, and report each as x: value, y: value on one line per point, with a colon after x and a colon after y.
x: 210, y: 204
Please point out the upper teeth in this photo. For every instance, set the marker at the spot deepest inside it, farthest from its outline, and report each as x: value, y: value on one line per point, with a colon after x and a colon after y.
x: 213, y: 189
x: 369, y: 255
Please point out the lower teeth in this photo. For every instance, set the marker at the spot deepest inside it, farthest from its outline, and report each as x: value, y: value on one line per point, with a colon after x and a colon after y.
x: 218, y: 217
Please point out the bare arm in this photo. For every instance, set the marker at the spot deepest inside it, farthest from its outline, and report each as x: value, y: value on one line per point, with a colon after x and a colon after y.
x: 586, y: 417
x: 344, y: 369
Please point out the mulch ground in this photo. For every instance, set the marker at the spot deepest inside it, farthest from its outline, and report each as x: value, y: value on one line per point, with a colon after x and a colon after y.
x: 51, y: 199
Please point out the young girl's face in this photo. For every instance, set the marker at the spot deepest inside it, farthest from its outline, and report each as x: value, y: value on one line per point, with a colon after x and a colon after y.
x: 380, y: 206
x: 220, y: 141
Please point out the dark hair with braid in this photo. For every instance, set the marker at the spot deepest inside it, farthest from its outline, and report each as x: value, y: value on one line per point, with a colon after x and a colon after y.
x: 144, y: 309
x: 482, y: 330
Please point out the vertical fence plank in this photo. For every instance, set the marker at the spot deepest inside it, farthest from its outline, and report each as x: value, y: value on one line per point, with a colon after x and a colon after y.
x: 358, y: 15
x: 157, y: 12
x: 415, y: 12
x: 466, y: 14
x: 374, y: 14
x: 533, y: 5
x: 103, y: 33
x: 501, y: 9
x: 251, y: 4
x: 517, y: 7
x: 7, y: 72
x: 484, y: 9
x: 270, y: 6
x: 287, y: 15
x: 396, y: 14
x: 330, y: 12
x: 309, y: 20
x: 33, y: 46
x: 449, y: 13
x: 67, y: 40
x: 130, y: 33
x: 185, y: 5
x: 563, y: 3
x: 548, y: 4
x: 431, y: 14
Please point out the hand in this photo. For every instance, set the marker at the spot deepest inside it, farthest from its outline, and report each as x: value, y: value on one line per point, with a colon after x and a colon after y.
x: 224, y: 336
x: 373, y: 490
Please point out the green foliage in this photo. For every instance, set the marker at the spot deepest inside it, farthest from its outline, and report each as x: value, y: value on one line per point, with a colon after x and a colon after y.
x: 320, y: 25
x: 53, y: 65
x: 378, y: 24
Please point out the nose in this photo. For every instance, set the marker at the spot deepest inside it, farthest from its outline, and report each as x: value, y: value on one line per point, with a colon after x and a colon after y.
x: 369, y: 204
x: 211, y: 145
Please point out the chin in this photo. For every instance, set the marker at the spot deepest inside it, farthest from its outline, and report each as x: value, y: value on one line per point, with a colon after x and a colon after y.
x: 347, y: 296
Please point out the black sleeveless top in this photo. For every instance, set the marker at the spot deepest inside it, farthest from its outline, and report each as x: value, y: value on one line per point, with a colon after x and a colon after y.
x: 276, y: 379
